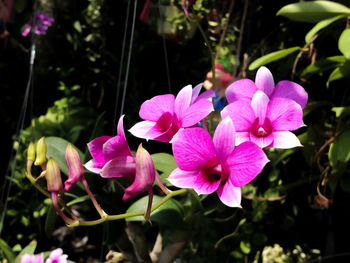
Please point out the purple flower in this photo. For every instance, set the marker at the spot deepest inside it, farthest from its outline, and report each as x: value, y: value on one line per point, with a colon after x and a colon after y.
x: 215, y: 165
x: 266, y: 122
x: 57, y: 256
x: 32, y: 258
x: 164, y: 115
x: 41, y: 23
x: 245, y: 89
x: 112, y: 158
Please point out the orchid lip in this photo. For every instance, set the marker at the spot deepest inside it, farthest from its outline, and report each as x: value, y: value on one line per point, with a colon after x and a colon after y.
x: 261, y: 130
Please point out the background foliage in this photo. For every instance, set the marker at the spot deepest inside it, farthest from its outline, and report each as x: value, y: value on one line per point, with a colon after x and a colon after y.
x: 297, y: 210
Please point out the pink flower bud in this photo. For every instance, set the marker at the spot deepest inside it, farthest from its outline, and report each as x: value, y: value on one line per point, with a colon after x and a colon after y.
x: 145, y: 174
x: 75, y: 167
x: 53, y: 177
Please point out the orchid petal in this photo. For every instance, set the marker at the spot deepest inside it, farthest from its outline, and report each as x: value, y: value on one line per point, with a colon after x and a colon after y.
x: 96, y: 146
x: 262, y: 142
x: 285, y: 140
x: 123, y: 166
x: 245, y: 163
x: 229, y: 194
x: 285, y: 114
x: 183, y: 100
x: 94, y: 167
x: 152, y: 109
x: 243, y: 89
x: 264, y: 80
x: 290, y: 90
x: 242, y: 137
x: 204, y: 185
x: 259, y: 104
x: 195, y: 92
x: 115, y: 147
x: 142, y: 128
x: 206, y: 95
x: 183, y: 179
x: 224, y: 138
x: 144, y: 177
x: 241, y: 113
x: 192, y: 148
x: 197, y: 112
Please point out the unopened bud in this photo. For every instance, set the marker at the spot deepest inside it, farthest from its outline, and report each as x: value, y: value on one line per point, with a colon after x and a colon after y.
x: 31, y: 152
x: 53, y: 176
x: 75, y: 167
x: 144, y: 177
x: 40, y: 152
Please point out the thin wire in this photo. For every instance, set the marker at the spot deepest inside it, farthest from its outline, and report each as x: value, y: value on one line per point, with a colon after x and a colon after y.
x: 164, y: 47
x: 129, y: 56
x: 20, y: 125
x: 120, y: 69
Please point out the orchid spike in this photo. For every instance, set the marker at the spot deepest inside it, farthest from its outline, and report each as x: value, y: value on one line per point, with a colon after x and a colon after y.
x: 266, y: 122
x: 165, y: 115
x: 57, y: 256
x: 53, y: 177
x: 215, y: 165
x: 75, y: 167
x: 26, y: 258
x: 245, y: 89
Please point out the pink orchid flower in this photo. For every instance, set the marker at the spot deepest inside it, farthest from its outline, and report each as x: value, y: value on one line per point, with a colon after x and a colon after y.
x: 164, y: 115
x: 57, y: 256
x: 112, y: 158
x: 208, y: 165
x: 266, y: 122
x: 245, y: 89
x: 32, y: 258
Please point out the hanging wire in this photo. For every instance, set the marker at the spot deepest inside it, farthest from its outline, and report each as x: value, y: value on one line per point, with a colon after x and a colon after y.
x: 129, y: 56
x: 120, y: 70
x: 161, y: 15
x: 14, y: 152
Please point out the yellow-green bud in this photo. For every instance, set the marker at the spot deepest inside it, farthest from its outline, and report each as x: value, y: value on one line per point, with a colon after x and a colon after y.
x: 53, y: 176
x: 40, y: 152
x: 31, y: 152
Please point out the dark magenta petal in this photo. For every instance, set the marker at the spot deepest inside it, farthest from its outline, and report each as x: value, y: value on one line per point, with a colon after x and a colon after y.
x: 152, y: 109
x: 96, y: 148
x: 290, y: 90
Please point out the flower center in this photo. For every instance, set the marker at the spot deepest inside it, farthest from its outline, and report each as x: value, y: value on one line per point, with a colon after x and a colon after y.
x: 261, y: 130
x: 214, y: 171
x: 164, y: 122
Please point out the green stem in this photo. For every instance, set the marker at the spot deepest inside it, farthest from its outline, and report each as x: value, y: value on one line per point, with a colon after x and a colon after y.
x: 93, y: 199
x: 126, y: 215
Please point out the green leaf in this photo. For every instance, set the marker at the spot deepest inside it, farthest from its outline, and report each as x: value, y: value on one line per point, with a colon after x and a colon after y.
x: 344, y: 43
x: 341, y: 111
x: 77, y: 26
x: 7, y: 251
x: 29, y: 249
x: 50, y: 221
x: 335, y: 75
x: 319, y: 26
x: 339, y: 150
x: 272, y: 57
x: 78, y: 200
x: 245, y: 247
x: 313, y: 11
x: 323, y: 64
x: 164, y: 163
x: 56, y: 148
x: 169, y: 214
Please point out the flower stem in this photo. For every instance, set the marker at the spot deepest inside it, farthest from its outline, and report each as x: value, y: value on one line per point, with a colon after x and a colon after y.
x: 93, y: 199
x: 68, y: 220
x: 161, y: 185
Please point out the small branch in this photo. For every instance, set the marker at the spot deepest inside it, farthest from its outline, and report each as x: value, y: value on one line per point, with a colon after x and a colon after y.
x: 269, y: 199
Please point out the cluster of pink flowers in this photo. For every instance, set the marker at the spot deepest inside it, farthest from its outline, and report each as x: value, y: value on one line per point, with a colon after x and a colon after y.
x: 56, y: 256
x: 259, y: 115
x: 39, y: 24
